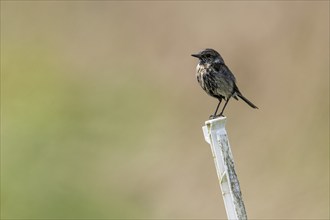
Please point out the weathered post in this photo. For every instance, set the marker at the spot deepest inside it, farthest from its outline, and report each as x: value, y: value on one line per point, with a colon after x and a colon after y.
x: 215, y: 134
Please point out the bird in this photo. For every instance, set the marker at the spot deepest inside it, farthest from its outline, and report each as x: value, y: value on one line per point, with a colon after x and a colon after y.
x: 216, y: 79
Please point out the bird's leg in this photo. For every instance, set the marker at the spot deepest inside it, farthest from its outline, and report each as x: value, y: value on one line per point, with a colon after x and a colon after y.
x: 216, y: 110
x: 223, y: 109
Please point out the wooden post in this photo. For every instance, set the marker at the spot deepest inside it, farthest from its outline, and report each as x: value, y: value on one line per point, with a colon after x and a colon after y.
x: 215, y: 134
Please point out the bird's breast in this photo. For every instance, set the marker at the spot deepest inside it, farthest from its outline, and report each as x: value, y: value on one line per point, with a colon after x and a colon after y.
x: 201, y: 70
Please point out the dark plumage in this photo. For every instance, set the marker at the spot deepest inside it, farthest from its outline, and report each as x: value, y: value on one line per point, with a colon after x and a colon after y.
x: 216, y: 79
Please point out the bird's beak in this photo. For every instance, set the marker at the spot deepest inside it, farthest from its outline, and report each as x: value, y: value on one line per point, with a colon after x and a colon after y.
x: 196, y: 55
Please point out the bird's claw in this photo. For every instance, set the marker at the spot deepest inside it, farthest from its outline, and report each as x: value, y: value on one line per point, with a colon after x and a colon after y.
x: 216, y: 116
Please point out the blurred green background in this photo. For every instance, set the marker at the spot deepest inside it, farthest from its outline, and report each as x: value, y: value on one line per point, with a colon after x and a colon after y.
x: 102, y: 113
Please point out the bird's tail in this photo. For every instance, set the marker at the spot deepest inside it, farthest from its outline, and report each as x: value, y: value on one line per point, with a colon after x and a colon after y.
x: 246, y: 100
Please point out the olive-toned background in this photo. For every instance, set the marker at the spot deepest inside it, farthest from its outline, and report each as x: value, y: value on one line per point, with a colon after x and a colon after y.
x: 102, y: 114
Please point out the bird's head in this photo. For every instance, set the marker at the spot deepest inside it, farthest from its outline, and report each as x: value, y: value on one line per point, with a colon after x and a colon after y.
x: 209, y: 56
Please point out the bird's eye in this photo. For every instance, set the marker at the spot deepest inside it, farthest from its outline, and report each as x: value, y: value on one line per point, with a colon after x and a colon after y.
x: 208, y: 55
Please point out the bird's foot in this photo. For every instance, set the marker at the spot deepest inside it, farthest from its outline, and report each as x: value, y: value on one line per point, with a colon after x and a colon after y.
x: 216, y: 116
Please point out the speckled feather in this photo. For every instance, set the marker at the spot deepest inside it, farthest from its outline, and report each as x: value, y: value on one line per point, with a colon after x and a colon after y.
x: 216, y: 80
